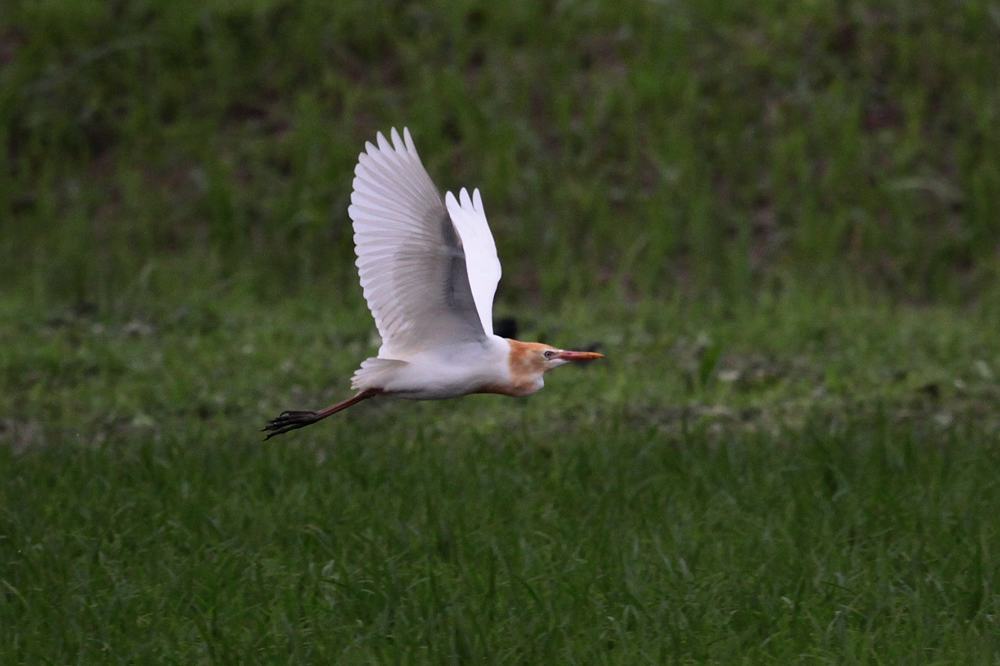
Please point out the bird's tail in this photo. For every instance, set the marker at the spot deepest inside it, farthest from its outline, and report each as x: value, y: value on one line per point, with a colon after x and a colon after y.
x: 373, y: 373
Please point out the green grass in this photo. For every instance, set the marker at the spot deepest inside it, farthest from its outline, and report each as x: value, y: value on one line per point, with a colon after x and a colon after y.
x: 865, y: 542
x: 790, y: 480
x: 779, y: 220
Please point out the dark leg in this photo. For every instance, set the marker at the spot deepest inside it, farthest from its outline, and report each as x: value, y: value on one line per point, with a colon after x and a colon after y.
x: 292, y: 420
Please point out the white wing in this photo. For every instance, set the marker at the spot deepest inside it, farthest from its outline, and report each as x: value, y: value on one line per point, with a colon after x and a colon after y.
x: 481, y: 259
x: 410, y: 259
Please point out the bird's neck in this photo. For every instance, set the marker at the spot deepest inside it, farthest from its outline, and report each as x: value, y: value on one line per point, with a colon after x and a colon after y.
x: 521, y: 370
x: 525, y: 367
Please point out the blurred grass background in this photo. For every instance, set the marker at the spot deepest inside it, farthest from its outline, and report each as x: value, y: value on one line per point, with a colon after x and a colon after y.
x: 781, y: 221
x: 632, y: 149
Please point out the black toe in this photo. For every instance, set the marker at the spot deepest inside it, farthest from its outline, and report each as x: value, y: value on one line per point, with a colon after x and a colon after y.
x: 288, y: 420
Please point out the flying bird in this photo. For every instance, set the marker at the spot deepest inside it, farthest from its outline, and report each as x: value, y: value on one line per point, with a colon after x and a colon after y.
x: 429, y: 270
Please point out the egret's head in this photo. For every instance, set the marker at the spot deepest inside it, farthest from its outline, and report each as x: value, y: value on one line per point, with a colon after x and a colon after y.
x: 553, y: 357
x: 538, y: 358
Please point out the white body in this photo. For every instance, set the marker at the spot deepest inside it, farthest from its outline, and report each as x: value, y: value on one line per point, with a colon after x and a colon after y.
x: 447, y: 372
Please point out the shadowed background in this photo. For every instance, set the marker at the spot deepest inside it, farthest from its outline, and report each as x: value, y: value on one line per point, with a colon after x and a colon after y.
x: 630, y: 149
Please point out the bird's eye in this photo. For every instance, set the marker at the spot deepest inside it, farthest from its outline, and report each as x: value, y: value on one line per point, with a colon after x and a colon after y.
x: 548, y: 353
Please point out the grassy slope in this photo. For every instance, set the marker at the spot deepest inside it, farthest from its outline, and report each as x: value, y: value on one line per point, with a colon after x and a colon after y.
x: 780, y: 223
x: 694, y: 141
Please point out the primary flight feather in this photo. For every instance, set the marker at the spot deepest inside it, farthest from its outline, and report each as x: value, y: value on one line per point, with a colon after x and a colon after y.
x: 429, y: 270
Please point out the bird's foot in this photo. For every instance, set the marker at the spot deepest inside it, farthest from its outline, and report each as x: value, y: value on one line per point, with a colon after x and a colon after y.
x: 290, y: 420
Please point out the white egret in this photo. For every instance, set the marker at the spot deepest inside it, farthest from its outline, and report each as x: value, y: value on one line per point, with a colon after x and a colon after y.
x: 429, y: 271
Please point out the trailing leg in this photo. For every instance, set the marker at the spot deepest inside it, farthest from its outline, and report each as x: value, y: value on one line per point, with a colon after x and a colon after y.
x: 293, y: 420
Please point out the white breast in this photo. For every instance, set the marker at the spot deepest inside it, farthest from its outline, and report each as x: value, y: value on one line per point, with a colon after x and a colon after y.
x: 451, y: 371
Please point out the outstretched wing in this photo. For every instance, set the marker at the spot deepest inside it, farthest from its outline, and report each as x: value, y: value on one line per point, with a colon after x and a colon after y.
x: 469, y: 217
x: 410, y: 259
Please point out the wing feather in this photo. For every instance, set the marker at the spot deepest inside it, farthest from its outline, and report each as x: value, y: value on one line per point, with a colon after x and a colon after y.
x: 469, y: 217
x: 411, y: 260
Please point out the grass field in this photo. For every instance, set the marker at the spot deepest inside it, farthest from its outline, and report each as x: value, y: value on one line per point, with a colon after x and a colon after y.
x: 790, y: 481
x: 780, y: 222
